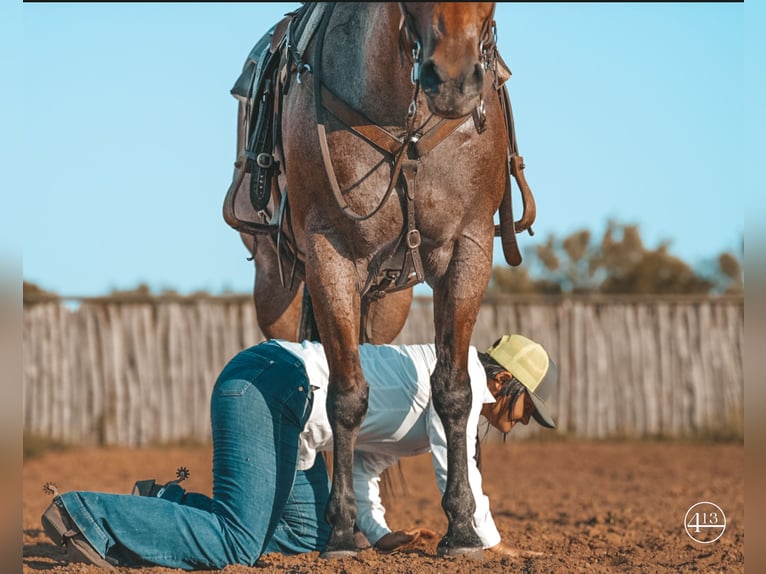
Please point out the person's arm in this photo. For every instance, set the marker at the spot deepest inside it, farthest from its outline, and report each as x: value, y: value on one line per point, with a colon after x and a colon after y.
x: 370, y: 510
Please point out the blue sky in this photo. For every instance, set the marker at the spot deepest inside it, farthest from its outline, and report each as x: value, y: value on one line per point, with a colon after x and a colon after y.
x: 631, y: 111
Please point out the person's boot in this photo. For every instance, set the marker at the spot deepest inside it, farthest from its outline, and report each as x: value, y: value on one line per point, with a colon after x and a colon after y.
x: 169, y: 491
x: 62, y: 530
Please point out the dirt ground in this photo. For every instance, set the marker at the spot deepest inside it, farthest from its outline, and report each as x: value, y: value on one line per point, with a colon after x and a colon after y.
x: 590, y: 507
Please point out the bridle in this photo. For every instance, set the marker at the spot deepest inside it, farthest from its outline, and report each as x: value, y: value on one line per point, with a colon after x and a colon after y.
x: 410, y: 38
x: 487, y: 41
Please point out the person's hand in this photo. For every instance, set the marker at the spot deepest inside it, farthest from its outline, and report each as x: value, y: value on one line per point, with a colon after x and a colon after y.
x: 502, y: 549
x: 403, y: 538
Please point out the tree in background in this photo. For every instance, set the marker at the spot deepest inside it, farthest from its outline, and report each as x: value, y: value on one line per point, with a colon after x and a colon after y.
x: 731, y: 273
x: 619, y: 264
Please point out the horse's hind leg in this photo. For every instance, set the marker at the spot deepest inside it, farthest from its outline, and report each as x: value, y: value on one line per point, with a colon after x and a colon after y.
x: 277, y: 308
x: 384, y: 318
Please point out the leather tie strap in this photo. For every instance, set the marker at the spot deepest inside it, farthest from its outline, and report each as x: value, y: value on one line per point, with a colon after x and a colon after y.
x: 412, y: 261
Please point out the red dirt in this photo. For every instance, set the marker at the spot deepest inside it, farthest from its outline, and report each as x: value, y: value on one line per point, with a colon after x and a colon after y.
x: 590, y: 507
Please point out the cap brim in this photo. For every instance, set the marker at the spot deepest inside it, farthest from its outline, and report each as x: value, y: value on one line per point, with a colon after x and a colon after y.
x: 541, y: 414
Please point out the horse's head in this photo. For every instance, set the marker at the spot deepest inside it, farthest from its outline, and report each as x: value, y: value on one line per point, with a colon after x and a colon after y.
x: 451, y: 41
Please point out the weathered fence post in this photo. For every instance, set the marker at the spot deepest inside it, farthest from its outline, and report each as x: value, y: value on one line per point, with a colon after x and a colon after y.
x: 139, y: 371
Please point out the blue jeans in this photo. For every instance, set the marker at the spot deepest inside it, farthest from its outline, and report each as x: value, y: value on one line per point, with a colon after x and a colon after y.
x: 260, y: 504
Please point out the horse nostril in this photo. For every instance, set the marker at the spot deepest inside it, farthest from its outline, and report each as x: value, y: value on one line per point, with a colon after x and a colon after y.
x: 476, y: 80
x: 429, y: 77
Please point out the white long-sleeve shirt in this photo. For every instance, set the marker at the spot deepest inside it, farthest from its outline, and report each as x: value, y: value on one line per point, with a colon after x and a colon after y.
x: 400, y: 421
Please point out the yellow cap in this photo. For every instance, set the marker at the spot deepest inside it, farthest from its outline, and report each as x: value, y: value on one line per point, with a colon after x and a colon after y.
x: 530, y: 363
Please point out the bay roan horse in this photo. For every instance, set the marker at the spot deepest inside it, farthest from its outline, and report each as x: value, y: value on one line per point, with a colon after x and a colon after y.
x: 392, y: 142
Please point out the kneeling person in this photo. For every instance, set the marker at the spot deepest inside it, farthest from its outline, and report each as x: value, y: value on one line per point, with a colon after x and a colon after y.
x: 270, y: 487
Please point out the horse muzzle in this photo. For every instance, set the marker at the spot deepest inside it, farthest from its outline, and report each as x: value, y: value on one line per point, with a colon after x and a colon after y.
x: 451, y: 96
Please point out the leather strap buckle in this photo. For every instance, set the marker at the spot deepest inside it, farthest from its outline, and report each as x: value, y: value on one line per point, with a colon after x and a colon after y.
x: 413, y: 239
x: 264, y: 160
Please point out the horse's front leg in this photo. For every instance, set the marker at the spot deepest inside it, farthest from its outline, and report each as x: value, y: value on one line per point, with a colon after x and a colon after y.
x: 346, y: 407
x: 452, y: 397
x: 457, y: 298
x: 336, y: 308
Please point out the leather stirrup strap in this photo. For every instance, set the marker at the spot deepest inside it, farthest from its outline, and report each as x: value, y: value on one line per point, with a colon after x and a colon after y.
x: 529, y: 208
x: 507, y: 230
x: 508, y: 227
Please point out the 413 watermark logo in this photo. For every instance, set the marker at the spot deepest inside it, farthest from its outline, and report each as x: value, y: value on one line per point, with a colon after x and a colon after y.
x: 705, y: 522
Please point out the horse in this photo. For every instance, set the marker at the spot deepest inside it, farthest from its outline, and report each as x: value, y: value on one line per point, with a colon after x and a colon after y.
x: 384, y: 157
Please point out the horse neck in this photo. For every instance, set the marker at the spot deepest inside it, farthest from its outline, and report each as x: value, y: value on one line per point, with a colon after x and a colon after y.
x: 362, y: 62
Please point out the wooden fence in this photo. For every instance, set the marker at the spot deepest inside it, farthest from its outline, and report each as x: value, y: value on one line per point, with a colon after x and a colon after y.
x: 117, y: 372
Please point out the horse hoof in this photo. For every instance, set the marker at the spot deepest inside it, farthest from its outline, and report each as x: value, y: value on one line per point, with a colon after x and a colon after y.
x: 336, y: 554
